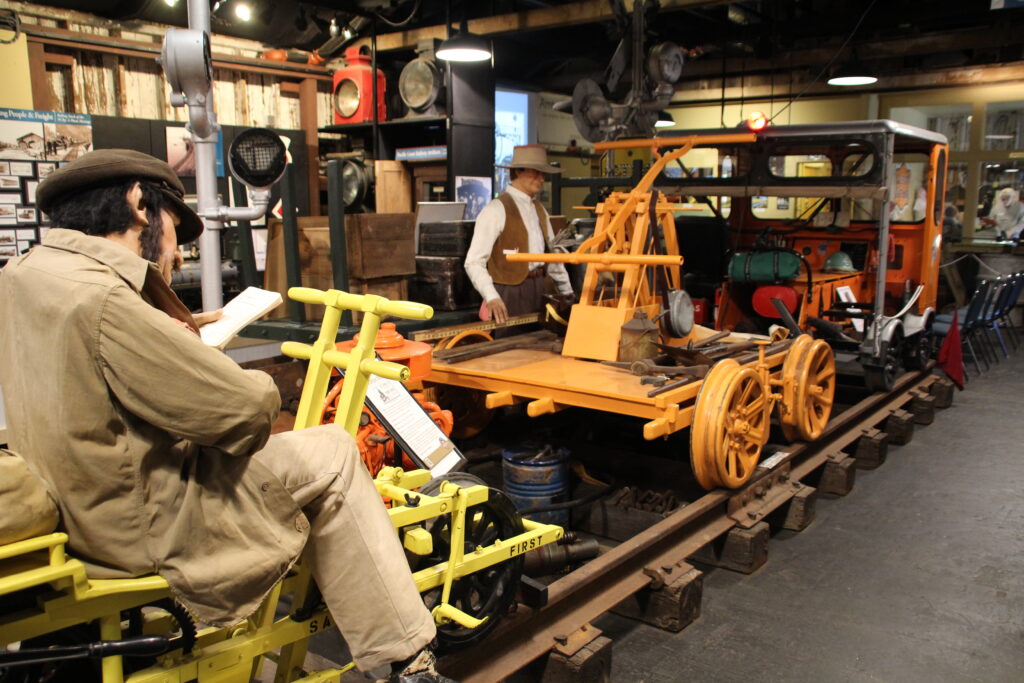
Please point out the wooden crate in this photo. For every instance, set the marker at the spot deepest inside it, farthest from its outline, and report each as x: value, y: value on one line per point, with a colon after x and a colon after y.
x: 394, y: 288
x: 380, y: 244
x: 315, y: 255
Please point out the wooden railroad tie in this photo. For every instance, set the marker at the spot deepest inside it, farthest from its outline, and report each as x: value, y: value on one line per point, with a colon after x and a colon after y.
x: 672, y: 600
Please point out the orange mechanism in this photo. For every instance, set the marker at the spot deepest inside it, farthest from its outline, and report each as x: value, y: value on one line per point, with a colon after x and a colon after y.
x: 376, y: 446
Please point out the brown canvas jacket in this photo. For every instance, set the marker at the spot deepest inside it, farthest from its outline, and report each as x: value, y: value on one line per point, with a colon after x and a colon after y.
x: 141, y: 431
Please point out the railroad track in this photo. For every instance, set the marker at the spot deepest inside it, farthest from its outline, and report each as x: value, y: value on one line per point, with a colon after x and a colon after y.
x: 657, y: 556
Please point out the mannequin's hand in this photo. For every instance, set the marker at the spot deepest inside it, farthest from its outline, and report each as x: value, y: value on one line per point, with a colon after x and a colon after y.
x: 207, y: 317
x: 499, y: 313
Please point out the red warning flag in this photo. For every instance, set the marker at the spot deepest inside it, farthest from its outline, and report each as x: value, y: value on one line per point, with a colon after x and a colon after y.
x: 951, y: 354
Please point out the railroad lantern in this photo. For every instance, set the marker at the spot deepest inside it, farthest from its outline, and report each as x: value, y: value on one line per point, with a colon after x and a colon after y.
x: 352, y: 97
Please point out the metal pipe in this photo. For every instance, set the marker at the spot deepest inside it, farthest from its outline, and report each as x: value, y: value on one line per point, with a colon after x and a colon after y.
x: 204, y: 128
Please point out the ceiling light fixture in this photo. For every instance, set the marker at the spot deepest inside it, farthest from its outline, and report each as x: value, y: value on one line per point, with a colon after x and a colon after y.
x: 243, y: 11
x: 665, y: 120
x: 999, y: 136
x: 171, y: 3
x: 852, y: 73
x: 464, y: 47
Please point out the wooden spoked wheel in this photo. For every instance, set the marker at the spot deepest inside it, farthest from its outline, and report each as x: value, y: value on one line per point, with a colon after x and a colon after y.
x: 809, y: 387
x: 730, y: 425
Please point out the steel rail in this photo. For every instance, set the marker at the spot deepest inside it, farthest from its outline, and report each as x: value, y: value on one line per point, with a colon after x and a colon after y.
x: 592, y: 590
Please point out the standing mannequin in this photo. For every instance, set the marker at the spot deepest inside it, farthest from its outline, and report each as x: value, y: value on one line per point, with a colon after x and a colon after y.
x: 515, y: 222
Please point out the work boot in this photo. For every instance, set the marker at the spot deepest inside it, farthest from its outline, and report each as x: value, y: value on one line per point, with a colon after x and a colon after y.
x: 420, y: 668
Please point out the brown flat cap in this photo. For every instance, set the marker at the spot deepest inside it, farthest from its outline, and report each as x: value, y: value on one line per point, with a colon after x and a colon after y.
x: 104, y: 166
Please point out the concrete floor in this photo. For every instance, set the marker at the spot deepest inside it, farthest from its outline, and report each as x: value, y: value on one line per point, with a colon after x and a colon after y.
x: 916, y: 575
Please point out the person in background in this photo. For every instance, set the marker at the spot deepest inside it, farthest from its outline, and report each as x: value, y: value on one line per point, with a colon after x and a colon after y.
x: 952, y: 227
x: 1007, y: 215
x: 515, y: 222
x: 184, y: 481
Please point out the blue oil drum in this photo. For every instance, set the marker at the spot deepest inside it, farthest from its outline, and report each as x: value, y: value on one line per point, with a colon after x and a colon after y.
x: 534, y: 477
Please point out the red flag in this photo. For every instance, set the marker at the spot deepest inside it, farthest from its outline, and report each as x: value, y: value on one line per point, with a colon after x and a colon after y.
x: 951, y: 354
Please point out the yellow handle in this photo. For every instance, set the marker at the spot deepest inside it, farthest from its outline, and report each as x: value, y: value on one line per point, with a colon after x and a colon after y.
x: 338, y: 359
x: 369, y: 303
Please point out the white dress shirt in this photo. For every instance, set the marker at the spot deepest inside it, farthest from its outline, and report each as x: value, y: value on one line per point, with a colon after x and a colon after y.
x: 489, y: 224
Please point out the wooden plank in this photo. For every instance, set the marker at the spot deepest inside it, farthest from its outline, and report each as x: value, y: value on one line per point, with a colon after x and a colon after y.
x: 308, y: 122
x: 586, y: 12
x: 393, y: 188
x: 41, y: 98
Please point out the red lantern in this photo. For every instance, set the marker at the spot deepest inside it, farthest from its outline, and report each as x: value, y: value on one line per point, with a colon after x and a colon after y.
x: 352, y: 97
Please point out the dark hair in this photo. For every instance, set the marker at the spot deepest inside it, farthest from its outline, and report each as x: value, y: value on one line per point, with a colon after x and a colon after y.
x: 513, y: 172
x: 102, y: 211
x: 97, y: 211
x: 153, y: 200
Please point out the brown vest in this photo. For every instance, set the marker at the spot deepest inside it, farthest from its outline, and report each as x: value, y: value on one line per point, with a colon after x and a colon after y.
x: 514, y: 238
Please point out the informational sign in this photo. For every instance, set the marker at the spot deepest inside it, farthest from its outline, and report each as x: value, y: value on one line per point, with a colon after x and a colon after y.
x: 33, y: 144
x: 412, y: 428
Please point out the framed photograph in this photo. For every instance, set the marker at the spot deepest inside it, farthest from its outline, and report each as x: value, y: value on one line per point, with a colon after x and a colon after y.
x: 67, y: 141
x: 25, y: 245
x: 9, y: 182
x: 42, y: 233
x: 7, y: 237
x: 30, y: 191
x: 45, y: 168
x: 7, y: 211
x: 27, y: 214
x: 8, y: 251
x: 23, y: 168
x: 759, y: 202
x: 782, y: 203
x: 26, y: 233
x: 9, y: 198
x: 5, y: 168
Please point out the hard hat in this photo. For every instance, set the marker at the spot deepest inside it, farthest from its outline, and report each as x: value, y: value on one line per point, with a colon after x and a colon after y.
x: 839, y: 262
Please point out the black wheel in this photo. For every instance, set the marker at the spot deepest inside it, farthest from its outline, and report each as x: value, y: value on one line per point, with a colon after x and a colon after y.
x: 882, y: 377
x: 919, y: 349
x: 487, y: 593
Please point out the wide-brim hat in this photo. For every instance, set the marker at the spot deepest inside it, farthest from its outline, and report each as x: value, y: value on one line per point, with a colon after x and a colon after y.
x: 531, y: 156
x: 105, y: 166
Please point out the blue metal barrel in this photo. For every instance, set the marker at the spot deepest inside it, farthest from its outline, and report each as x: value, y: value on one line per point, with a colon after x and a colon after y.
x: 534, y: 477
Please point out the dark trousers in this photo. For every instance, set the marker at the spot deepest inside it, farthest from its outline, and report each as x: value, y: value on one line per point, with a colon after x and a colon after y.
x: 526, y: 297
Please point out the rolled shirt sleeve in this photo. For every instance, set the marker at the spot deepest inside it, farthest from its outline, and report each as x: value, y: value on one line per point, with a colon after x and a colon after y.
x: 489, y: 224
x: 167, y: 377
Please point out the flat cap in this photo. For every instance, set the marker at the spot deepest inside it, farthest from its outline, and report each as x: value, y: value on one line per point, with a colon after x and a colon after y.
x: 104, y: 166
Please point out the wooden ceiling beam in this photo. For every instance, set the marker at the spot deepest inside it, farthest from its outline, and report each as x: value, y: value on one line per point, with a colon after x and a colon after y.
x: 585, y: 12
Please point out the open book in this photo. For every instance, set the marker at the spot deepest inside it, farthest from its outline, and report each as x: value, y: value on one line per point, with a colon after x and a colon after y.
x: 250, y: 305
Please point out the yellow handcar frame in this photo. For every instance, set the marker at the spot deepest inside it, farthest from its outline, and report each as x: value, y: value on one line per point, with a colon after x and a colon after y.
x: 65, y: 596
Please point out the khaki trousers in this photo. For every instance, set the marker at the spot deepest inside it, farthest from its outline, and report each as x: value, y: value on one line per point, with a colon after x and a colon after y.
x: 353, y: 550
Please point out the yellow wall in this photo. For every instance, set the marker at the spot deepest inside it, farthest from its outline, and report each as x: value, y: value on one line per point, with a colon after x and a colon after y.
x: 17, y: 88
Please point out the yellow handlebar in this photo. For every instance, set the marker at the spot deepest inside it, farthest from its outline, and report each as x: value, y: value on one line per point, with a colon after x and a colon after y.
x: 370, y: 303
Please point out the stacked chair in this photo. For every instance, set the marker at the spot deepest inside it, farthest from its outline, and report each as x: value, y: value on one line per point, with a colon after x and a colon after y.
x: 985, y: 318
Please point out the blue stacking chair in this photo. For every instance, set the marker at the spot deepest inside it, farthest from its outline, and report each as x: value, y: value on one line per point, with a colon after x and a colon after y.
x: 969, y: 323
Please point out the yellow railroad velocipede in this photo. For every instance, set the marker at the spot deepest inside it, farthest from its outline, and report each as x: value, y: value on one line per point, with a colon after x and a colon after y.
x: 449, y: 531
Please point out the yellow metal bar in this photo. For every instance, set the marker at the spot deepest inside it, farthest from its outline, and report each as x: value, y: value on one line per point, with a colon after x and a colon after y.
x: 537, y: 534
x: 31, y: 545
x: 110, y: 629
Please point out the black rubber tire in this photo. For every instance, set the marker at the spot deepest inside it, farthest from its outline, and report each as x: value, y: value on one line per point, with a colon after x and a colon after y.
x: 882, y: 377
x: 488, y: 593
